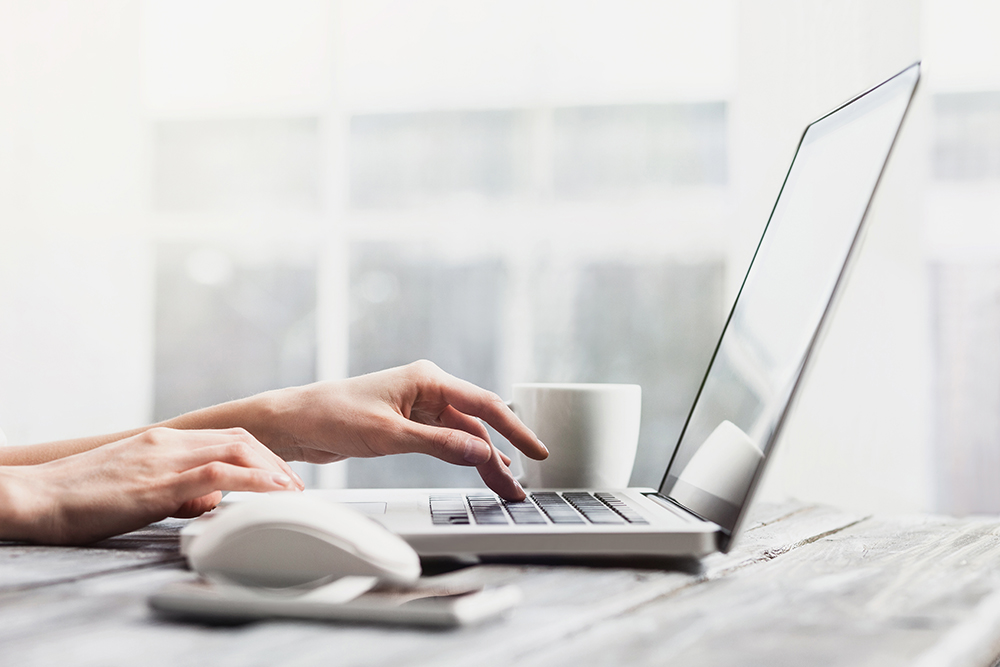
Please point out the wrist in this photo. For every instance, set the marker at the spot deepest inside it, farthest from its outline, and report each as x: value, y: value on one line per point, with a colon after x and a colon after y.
x: 263, y: 415
x: 271, y: 417
x: 294, y: 422
x: 22, y: 507
x: 266, y: 417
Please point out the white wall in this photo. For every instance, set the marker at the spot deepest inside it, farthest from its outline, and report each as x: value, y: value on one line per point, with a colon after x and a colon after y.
x: 75, y: 285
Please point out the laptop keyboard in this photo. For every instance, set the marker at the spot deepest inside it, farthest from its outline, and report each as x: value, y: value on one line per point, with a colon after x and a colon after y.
x: 544, y: 507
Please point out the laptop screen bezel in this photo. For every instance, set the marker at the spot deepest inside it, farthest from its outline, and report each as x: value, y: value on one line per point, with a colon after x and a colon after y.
x: 727, y: 536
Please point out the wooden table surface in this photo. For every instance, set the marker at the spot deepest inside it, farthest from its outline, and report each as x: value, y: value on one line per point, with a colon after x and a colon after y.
x: 806, y: 585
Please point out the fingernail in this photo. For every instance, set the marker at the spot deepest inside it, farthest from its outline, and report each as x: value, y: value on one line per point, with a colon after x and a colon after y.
x: 544, y: 448
x: 281, y: 479
x: 298, y: 480
x: 477, y: 451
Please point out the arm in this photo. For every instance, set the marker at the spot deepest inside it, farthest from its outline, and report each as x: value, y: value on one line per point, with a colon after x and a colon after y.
x: 50, y: 451
x: 413, y: 408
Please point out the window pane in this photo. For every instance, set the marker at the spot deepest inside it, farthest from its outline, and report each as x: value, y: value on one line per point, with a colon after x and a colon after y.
x: 407, y: 158
x: 403, y: 159
x: 967, y: 136
x: 227, y: 328
x: 236, y: 164
x: 407, y: 306
x: 650, y: 323
x: 966, y: 301
x: 607, y: 148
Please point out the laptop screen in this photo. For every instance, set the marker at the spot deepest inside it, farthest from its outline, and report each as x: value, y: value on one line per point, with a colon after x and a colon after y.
x: 783, y: 303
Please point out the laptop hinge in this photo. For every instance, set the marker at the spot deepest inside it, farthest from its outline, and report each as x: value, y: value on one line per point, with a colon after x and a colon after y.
x: 674, y: 507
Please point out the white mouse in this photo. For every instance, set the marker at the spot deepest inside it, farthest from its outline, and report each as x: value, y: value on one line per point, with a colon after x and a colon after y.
x: 289, y: 539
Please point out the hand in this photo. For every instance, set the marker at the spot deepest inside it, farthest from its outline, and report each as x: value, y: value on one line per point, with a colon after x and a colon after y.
x: 413, y: 408
x: 127, y: 484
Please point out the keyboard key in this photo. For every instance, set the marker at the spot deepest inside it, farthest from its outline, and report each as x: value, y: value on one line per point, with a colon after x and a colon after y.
x: 618, y: 505
x: 554, y: 507
x: 448, y: 510
x: 487, y: 510
x: 524, y: 512
x: 592, y: 508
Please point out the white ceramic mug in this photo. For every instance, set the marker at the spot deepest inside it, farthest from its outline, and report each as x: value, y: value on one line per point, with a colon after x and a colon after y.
x: 591, y: 431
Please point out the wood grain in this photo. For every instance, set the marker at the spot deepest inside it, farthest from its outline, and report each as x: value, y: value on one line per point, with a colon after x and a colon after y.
x: 805, y: 585
x: 24, y: 566
x: 100, y: 617
x: 881, y: 592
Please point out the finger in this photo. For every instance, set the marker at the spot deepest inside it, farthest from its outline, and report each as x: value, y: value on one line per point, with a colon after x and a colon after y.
x: 219, y: 476
x: 197, y: 438
x: 472, y: 400
x: 452, y: 418
x: 448, y: 444
x: 238, y: 453
x: 235, y: 453
x: 498, y: 477
x: 279, y: 463
x: 198, y: 506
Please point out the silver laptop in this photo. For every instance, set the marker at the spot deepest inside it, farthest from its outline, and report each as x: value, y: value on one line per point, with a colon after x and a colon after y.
x: 755, y: 373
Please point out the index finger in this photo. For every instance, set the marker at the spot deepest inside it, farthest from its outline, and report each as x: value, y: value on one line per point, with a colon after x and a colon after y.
x: 268, y: 458
x: 472, y: 400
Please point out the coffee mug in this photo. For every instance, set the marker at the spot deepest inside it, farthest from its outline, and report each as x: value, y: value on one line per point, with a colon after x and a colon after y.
x: 590, y: 430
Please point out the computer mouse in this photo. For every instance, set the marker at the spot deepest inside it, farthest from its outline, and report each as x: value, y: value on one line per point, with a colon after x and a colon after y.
x: 288, y: 540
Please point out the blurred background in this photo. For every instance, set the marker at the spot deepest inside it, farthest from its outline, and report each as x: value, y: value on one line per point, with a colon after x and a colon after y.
x: 203, y: 199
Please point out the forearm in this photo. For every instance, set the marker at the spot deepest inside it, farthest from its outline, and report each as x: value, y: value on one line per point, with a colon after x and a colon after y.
x: 253, y: 414
x: 50, y: 451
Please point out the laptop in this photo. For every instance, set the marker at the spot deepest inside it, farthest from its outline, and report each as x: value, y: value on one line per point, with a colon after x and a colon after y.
x: 757, y: 369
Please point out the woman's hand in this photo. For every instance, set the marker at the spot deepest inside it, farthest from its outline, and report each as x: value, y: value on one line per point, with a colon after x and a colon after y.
x: 78, y: 491
x: 127, y: 484
x: 413, y: 408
